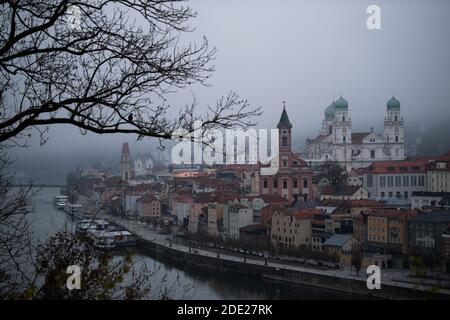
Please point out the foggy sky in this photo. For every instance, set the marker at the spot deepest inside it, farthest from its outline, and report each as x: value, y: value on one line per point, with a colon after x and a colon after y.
x: 306, y: 53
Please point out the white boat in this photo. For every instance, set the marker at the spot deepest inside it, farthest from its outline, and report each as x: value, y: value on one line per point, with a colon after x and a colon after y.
x: 60, y: 199
x: 84, y: 225
x: 109, y: 239
x: 60, y: 205
x: 123, y: 238
x: 101, y: 239
x: 72, y: 208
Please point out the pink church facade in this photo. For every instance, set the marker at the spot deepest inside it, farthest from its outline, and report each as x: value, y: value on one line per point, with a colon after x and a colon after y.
x: 294, y: 177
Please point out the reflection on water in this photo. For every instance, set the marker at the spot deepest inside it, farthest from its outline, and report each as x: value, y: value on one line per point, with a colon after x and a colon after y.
x: 182, y: 284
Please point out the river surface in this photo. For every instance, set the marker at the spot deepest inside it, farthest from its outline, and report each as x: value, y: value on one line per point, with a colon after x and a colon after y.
x: 183, y: 284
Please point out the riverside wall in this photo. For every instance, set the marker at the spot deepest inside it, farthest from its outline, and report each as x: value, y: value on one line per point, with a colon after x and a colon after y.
x: 357, y: 287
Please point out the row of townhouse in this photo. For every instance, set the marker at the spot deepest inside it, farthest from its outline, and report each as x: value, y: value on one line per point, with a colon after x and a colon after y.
x: 222, y: 214
x: 387, y: 235
x: 312, y: 229
x: 394, y: 235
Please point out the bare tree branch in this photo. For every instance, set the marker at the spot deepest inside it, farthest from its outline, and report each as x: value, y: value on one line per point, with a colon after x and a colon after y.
x: 92, y: 65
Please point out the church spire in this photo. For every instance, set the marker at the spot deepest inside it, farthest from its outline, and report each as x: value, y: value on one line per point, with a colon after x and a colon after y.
x: 284, y: 119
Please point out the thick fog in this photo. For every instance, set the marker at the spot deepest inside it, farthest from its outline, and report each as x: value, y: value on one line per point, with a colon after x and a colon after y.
x: 305, y: 53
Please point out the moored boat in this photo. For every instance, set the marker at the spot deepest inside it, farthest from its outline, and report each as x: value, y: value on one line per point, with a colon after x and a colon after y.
x: 72, y: 208
x: 60, y: 199
x: 109, y: 239
x: 84, y: 225
x: 101, y: 239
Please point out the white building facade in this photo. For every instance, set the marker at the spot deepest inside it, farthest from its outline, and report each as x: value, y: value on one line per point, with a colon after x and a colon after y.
x: 337, y: 141
x: 142, y: 166
x: 236, y: 216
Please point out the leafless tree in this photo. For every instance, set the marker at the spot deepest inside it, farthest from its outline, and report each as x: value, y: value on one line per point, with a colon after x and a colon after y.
x: 334, y: 173
x: 15, y: 205
x: 104, y: 66
x: 102, y: 277
x: 357, y: 258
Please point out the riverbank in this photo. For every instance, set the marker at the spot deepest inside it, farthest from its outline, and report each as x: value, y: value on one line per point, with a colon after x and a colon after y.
x: 162, y: 246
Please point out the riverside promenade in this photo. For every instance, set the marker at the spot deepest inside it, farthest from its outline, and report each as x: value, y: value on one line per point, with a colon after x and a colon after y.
x: 389, y: 278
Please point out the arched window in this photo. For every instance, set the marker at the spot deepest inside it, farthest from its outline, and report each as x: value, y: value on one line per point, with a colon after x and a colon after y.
x: 396, y: 138
x: 372, y: 154
x: 284, y: 141
x: 395, y: 118
x: 345, y: 139
x: 343, y: 118
x: 330, y: 129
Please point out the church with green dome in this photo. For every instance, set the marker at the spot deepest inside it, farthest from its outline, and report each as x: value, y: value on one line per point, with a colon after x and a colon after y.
x: 337, y: 142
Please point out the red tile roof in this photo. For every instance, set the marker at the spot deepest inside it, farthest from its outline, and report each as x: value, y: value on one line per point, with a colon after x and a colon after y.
x: 302, y: 213
x: 390, y: 213
x: 184, y: 198
x: 351, y: 203
x: 401, y: 166
x: 340, y: 190
x: 217, y: 184
x: 190, y: 174
x: 147, y: 198
x: 357, y: 137
x: 273, y: 198
x: 221, y: 197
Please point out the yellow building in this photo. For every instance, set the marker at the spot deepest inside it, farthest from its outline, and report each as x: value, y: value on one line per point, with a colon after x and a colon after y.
x: 377, y: 227
x: 292, y: 228
x: 388, y: 229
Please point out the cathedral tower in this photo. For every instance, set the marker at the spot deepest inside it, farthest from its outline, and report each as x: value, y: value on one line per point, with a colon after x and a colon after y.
x: 327, y: 123
x: 342, y: 131
x: 125, y: 162
x: 394, y: 129
x: 342, y: 125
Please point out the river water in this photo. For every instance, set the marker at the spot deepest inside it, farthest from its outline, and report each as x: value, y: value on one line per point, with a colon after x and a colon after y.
x: 183, y: 284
